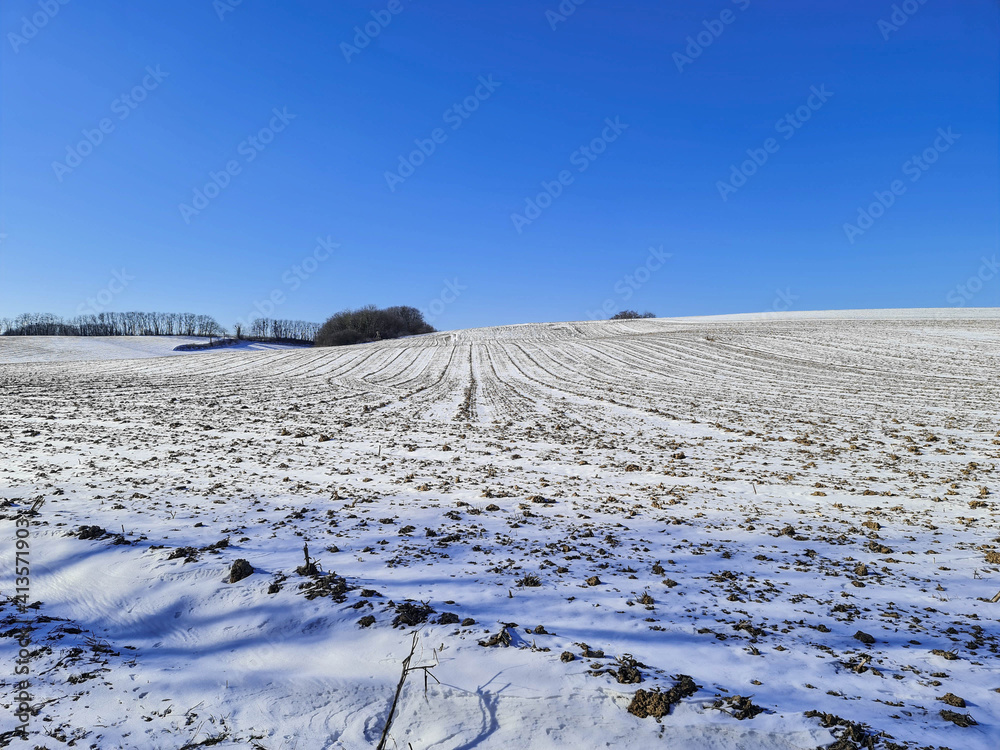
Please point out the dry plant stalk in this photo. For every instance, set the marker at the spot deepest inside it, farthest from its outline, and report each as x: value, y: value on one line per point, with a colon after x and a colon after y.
x: 399, y: 687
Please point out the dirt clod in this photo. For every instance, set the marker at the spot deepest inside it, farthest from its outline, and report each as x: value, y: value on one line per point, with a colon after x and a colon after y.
x: 738, y: 706
x: 657, y: 703
x: 409, y: 614
x: 864, y: 637
x: 961, y: 720
x: 240, y: 569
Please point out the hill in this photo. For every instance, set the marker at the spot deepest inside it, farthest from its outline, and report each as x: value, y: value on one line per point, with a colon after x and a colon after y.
x: 798, y: 512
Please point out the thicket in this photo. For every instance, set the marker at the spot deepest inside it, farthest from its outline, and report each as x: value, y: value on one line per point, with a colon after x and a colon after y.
x: 631, y: 315
x: 370, y: 323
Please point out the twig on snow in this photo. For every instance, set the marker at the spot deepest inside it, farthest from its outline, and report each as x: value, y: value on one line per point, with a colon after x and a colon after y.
x: 399, y: 687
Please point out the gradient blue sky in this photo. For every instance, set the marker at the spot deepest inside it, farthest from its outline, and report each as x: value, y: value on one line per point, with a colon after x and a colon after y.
x: 324, y: 174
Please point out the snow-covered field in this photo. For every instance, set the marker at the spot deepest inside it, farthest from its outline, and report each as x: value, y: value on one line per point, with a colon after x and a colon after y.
x: 81, y: 348
x: 798, y: 512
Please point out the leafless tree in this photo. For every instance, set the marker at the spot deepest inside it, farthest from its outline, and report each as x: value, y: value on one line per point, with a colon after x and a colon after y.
x: 132, y: 323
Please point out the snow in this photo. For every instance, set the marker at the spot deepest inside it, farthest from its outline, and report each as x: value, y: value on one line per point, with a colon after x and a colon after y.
x: 86, y: 348
x: 686, y: 459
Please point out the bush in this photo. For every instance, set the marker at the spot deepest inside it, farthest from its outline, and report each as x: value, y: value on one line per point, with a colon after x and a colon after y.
x: 343, y: 338
x: 369, y: 323
x: 631, y: 315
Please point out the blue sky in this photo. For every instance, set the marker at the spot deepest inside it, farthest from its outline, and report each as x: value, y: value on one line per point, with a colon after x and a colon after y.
x: 461, y: 160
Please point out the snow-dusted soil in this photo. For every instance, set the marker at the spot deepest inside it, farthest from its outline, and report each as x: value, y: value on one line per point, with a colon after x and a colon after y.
x: 85, y: 348
x: 755, y: 497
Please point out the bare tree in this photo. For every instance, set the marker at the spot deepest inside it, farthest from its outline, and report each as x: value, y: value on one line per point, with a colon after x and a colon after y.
x: 132, y: 323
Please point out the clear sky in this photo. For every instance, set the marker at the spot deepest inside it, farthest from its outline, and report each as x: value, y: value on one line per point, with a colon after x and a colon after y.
x: 498, y: 162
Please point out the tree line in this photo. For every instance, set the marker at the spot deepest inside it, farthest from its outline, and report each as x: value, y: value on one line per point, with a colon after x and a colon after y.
x: 156, y: 324
x: 112, y: 324
x: 274, y: 329
x: 370, y: 323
